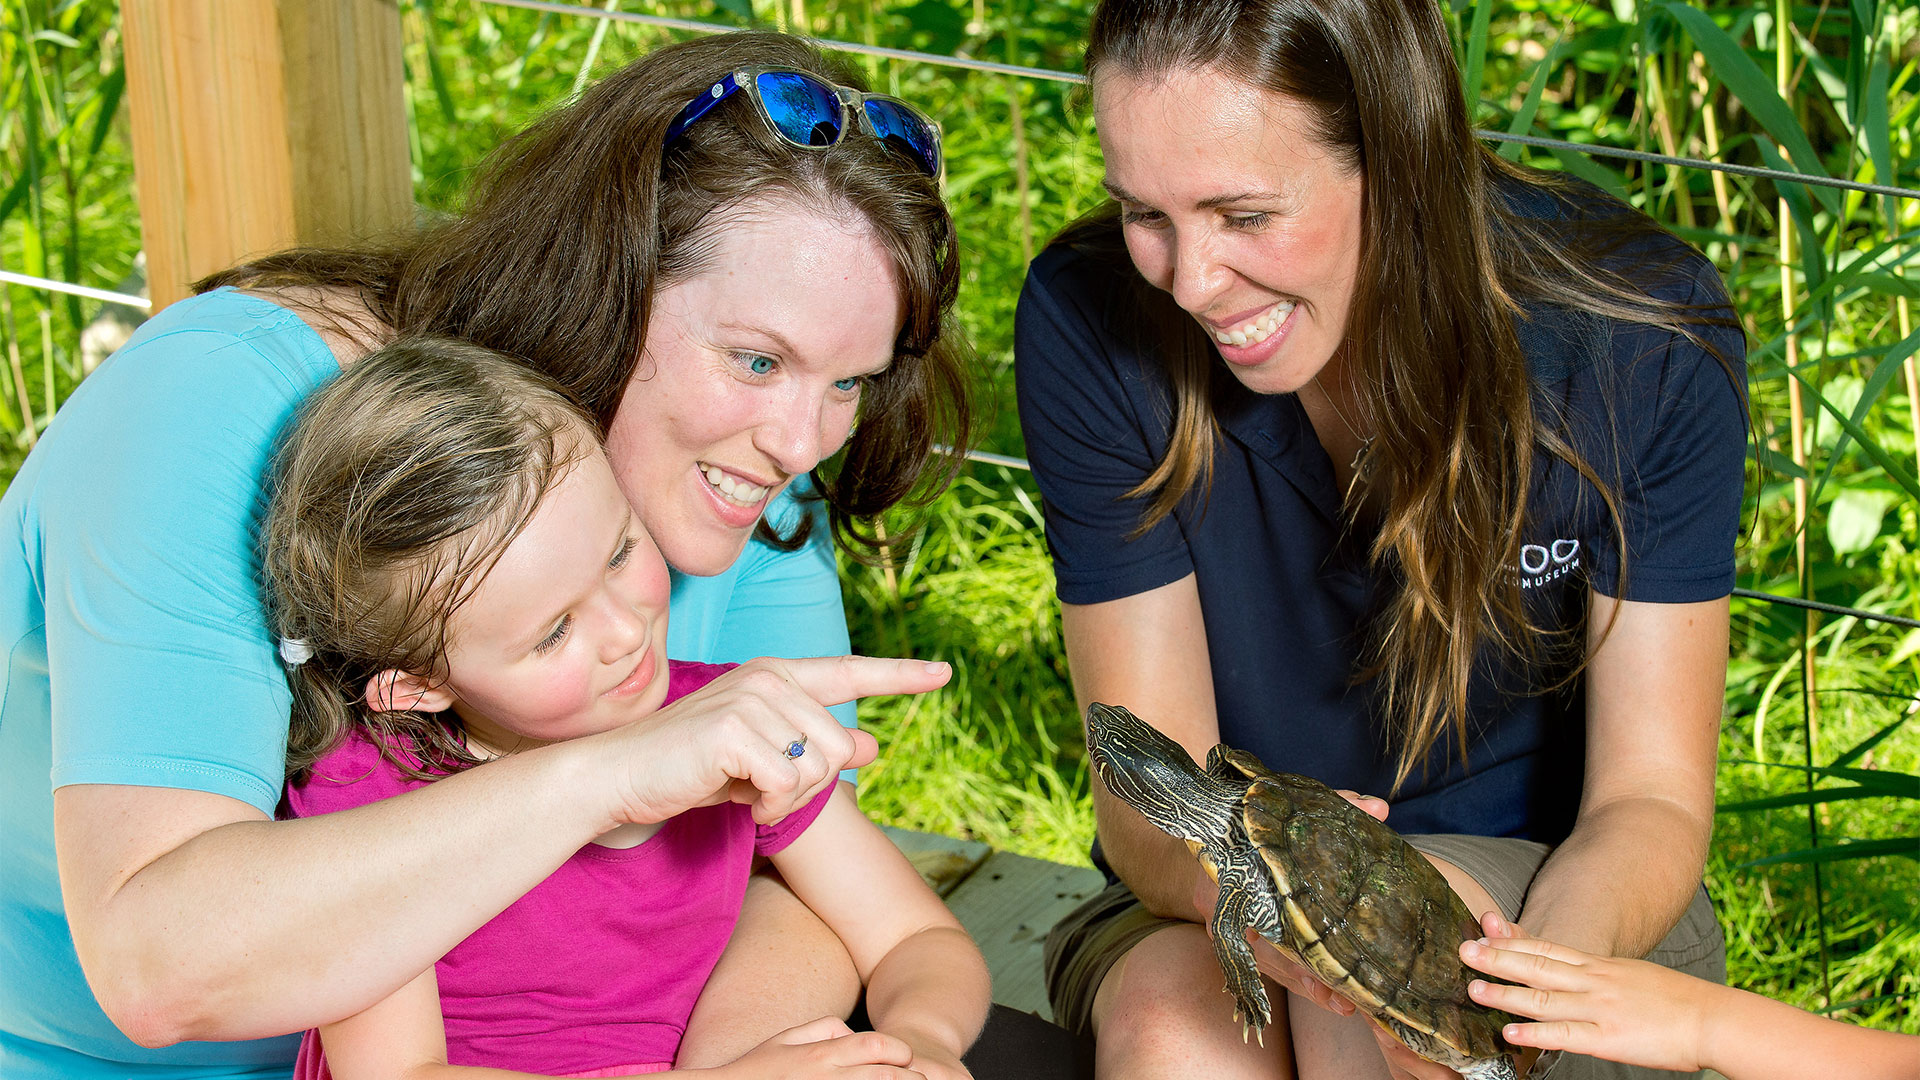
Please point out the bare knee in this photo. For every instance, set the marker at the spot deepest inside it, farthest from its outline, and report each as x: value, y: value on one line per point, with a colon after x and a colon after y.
x: 1162, y: 1012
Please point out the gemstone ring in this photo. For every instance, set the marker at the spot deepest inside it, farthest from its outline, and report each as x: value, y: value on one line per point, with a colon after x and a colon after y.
x: 797, y: 747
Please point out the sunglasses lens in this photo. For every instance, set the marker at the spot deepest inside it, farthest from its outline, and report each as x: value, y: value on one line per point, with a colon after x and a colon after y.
x: 895, y: 123
x: 806, y: 110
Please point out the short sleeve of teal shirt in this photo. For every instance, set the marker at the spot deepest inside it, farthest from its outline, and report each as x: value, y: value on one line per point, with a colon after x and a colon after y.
x: 769, y: 602
x: 137, y: 646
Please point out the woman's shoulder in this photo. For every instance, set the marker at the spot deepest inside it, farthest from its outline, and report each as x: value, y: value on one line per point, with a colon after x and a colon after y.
x: 225, y: 331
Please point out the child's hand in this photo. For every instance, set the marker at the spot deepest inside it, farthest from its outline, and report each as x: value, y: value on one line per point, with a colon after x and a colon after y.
x: 1629, y: 1011
x: 730, y: 739
x: 934, y: 1060
x: 823, y: 1049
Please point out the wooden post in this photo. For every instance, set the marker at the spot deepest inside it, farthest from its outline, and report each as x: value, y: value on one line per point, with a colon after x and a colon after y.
x: 261, y: 124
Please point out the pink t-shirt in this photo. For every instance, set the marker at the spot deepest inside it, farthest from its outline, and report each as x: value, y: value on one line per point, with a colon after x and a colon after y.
x: 598, y: 966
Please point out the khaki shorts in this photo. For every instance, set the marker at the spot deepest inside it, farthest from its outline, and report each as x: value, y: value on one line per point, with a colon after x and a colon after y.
x: 1091, y: 939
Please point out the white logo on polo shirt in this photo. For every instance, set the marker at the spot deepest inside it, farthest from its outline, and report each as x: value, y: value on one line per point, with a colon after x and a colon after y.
x: 1541, y: 563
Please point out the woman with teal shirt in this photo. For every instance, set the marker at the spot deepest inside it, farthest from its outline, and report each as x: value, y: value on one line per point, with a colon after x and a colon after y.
x: 725, y: 292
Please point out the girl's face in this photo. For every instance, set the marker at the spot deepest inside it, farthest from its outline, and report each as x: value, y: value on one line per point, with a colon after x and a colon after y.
x: 1233, y: 205
x: 751, y: 375
x: 566, y: 636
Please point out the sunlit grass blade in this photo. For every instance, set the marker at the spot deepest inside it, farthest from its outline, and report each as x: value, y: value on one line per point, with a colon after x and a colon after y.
x: 1904, y: 846
x: 1741, y: 76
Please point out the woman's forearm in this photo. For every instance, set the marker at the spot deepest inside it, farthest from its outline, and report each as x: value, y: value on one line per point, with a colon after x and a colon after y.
x: 933, y: 984
x: 1621, y: 880
x: 251, y: 928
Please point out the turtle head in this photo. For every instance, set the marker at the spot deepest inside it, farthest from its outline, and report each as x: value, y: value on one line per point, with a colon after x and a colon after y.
x: 1156, y: 776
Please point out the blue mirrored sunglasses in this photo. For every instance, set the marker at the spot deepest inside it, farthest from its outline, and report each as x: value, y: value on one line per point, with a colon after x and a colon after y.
x: 807, y: 111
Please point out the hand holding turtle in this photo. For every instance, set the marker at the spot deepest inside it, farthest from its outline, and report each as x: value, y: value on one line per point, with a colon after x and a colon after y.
x: 1278, y: 966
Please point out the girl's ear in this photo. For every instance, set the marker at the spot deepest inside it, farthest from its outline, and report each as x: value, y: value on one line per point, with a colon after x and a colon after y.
x: 402, y: 691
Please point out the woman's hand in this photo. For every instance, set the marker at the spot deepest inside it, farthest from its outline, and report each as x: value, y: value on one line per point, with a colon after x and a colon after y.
x: 728, y: 741
x: 823, y: 1048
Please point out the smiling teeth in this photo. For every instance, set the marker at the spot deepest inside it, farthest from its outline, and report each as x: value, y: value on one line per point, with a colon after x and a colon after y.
x: 734, y: 491
x: 1258, y: 330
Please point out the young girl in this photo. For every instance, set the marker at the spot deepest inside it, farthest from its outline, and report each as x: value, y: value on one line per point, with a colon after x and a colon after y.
x: 455, y: 575
x: 1639, y: 1013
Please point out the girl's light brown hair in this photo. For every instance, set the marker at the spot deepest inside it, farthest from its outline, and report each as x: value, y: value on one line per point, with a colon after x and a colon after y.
x: 575, y: 224
x: 398, y: 486
x: 1445, y: 262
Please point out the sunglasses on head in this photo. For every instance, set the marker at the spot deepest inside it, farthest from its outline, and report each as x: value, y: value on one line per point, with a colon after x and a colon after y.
x: 805, y: 110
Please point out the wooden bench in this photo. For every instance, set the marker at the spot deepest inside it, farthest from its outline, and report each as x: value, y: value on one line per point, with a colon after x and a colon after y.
x: 1007, y: 902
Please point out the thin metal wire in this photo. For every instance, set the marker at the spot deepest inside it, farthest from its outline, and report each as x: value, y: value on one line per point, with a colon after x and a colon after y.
x: 839, y: 46
x: 1830, y: 609
x: 77, y: 290
x: 939, y: 60
x: 1701, y: 163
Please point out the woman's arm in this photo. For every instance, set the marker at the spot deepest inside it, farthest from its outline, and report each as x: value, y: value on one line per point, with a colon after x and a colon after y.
x: 195, y: 917
x: 926, y: 981
x: 1655, y: 686
x: 1148, y: 653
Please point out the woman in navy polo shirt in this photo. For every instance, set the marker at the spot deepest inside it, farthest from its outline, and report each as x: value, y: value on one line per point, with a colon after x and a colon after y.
x: 1453, y: 522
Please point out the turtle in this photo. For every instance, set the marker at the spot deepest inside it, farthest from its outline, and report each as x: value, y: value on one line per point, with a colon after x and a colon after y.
x: 1327, y: 885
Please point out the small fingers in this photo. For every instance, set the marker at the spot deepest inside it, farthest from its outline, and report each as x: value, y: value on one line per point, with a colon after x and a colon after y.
x: 870, y: 1048
x: 1521, y: 961
x: 1568, y: 1035
x: 1520, y: 1000
x: 831, y: 680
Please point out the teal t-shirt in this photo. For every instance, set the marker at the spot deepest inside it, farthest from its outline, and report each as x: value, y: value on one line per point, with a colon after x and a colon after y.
x: 137, y: 649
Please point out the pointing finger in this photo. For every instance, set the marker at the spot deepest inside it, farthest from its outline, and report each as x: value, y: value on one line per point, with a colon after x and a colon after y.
x: 831, y: 680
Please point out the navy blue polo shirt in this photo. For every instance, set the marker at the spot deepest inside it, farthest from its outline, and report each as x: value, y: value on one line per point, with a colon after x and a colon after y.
x: 1284, y: 586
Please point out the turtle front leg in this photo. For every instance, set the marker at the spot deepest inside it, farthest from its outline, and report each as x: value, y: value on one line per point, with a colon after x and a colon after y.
x: 1231, y: 917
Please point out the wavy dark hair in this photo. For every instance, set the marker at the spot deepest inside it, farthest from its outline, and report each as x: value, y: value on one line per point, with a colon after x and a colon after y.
x: 1448, y: 265
x: 399, y: 485
x: 574, y: 225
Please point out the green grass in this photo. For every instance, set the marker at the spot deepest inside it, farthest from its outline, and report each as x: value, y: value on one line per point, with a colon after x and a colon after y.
x: 997, y: 755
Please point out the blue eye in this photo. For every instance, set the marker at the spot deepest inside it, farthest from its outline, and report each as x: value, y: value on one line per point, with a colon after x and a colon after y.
x: 848, y: 386
x: 759, y: 365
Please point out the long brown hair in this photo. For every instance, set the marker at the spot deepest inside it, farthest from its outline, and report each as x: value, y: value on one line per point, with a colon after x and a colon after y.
x: 574, y: 224
x: 399, y: 485
x: 1445, y: 264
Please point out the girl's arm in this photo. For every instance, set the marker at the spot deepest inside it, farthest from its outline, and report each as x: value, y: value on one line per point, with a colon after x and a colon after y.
x: 1655, y: 686
x: 926, y: 981
x: 1640, y: 1013
x: 195, y: 917
x: 404, y: 1038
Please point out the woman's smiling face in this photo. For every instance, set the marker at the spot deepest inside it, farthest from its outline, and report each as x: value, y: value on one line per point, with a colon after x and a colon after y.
x: 751, y: 375
x: 1234, y: 206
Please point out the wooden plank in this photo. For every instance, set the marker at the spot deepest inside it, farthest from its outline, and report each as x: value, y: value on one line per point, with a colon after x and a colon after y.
x: 1008, y: 905
x: 261, y: 124
x: 943, y: 861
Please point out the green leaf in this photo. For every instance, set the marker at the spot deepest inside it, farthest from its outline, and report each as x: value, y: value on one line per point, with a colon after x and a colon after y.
x: 1816, y: 797
x: 1853, y: 519
x: 1859, y: 749
x: 1906, y: 846
x: 740, y: 8
x: 1745, y: 80
x: 1878, y: 131
x: 1476, y: 56
x: 1775, y: 461
x: 1523, y: 119
x: 1895, y: 470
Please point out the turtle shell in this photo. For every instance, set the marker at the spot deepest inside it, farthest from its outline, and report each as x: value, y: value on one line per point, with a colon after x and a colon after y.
x: 1370, y: 916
